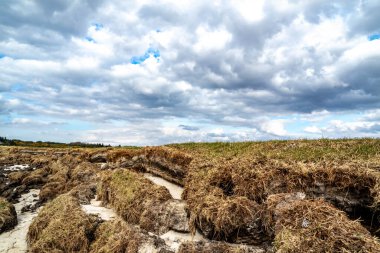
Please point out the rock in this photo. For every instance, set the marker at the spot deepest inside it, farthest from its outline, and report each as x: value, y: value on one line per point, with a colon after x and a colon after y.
x: 170, y: 215
x: 287, y: 199
x: 98, y: 158
x: 104, y: 166
x: 176, y: 216
x: 26, y: 208
x: 8, y: 215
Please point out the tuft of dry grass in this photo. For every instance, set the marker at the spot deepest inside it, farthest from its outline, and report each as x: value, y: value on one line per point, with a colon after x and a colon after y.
x: 222, y: 218
x: 61, y: 226
x: 315, y: 226
x: 17, y: 176
x: 36, y: 177
x: 171, y: 155
x: 117, y: 237
x: 8, y: 216
x: 129, y: 193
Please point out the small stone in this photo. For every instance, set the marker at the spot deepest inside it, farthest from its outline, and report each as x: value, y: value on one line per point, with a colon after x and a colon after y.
x: 104, y: 166
x: 26, y: 208
x: 305, y: 223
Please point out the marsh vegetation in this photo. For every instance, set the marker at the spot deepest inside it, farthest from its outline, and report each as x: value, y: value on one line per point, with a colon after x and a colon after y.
x: 276, y: 196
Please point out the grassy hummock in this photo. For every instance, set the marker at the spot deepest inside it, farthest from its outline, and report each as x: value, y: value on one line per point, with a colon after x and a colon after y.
x: 61, y: 226
x: 315, y: 226
x: 8, y: 216
x: 130, y: 194
x: 116, y: 236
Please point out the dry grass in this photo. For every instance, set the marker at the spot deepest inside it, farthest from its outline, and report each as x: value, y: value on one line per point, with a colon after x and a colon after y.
x: 8, y: 216
x: 65, y: 174
x: 222, y: 175
x: 171, y: 155
x: 116, y: 237
x: 61, y: 226
x: 118, y: 154
x: 222, y: 217
x: 36, y: 177
x: 215, y: 247
x: 129, y: 193
x: 316, y: 226
x: 292, y: 150
x: 165, y: 162
x: 17, y: 176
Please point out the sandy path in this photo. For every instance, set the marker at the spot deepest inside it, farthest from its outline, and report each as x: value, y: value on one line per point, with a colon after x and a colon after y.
x: 14, y: 241
x: 95, y: 207
x: 174, y: 190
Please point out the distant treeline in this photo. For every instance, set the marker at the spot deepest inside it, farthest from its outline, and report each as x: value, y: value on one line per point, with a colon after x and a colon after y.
x: 47, y: 144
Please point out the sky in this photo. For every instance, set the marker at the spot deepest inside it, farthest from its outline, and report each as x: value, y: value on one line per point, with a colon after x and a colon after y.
x: 168, y: 71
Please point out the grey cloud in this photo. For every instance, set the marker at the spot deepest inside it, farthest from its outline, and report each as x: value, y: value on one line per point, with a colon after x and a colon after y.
x: 366, y: 20
x: 189, y: 128
x: 159, y: 14
x: 216, y: 135
x: 59, y: 16
x: 373, y: 129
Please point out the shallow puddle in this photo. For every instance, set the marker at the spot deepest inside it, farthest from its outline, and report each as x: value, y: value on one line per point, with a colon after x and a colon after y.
x: 14, y: 241
x: 174, y: 190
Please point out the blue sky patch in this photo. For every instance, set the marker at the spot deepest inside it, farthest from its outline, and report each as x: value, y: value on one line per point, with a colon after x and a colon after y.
x: 18, y: 87
x: 98, y: 26
x: 2, y: 55
x: 374, y: 37
x: 140, y: 59
x: 90, y: 39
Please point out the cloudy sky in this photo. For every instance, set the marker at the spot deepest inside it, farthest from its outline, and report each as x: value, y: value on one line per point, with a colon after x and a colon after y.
x: 163, y: 71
